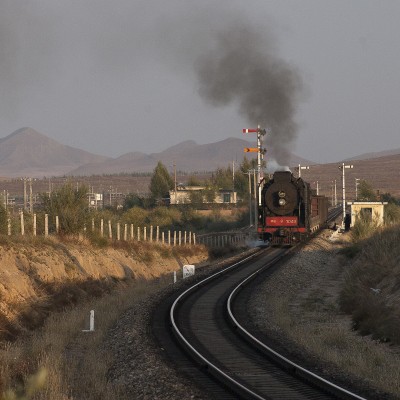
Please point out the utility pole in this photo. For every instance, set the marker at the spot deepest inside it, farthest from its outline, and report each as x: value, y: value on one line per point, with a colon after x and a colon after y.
x: 335, y: 194
x: 343, y: 167
x: 357, y: 183
x: 30, y: 196
x: 175, y: 183
x: 25, y: 195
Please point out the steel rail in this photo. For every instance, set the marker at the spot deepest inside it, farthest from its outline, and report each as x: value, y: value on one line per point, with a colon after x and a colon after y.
x: 283, y: 361
x: 212, y: 368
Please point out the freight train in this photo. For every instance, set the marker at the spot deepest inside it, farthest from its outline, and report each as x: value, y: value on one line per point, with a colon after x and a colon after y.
x: 290, y: 211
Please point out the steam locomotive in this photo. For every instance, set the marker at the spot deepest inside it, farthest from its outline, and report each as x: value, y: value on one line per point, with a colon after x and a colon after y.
x: 290, y: 211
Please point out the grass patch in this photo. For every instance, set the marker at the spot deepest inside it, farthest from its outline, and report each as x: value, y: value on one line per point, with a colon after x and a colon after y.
x: 62, y: 357
x: 371, y: 291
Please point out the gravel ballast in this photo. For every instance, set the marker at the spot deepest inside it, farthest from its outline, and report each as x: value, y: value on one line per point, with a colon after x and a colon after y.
x: 298, y: 304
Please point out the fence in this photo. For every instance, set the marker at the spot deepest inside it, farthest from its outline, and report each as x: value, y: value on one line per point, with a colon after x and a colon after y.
x: 127, y: 232
x: 221, y: 239
x: 110, y: 230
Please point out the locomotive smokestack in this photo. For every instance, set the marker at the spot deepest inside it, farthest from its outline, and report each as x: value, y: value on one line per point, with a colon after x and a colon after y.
x: 243, y: 68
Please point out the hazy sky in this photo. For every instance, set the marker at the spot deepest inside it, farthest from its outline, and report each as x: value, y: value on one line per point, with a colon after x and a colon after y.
x: 117, y: 76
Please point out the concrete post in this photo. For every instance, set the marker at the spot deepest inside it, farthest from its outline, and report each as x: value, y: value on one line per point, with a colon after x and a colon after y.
x: 109, y: 229
x: 46, y: 224
x: 101, y: 227
x: 34, y: 224
x: 22, y: 224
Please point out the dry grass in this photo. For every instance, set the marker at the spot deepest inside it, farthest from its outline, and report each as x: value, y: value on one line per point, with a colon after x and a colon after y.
x: 68, y: 357
x: 371, y: 293
x: 306, y: 311
x: 45, y: 338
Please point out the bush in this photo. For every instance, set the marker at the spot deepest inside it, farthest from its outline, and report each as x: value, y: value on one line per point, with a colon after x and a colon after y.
x: 371, y: 292
x: 70, y: 205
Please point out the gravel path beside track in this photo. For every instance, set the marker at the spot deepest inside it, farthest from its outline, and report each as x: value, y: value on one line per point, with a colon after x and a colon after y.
x: 298, y: 305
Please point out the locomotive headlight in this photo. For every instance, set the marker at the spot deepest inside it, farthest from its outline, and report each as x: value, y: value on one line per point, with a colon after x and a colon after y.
x: 282, y: 200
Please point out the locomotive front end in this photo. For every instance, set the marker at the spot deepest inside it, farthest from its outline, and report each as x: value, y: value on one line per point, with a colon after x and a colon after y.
x: 283, y: 209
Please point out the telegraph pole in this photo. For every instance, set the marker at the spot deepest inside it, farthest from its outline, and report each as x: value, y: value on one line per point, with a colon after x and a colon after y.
x: 343, y: 167
x: 357, y: 183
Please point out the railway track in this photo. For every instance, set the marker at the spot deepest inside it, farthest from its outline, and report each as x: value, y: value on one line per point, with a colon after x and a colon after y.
x: 229, y: 362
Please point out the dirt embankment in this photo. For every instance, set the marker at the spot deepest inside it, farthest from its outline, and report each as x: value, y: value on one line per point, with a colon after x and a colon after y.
x: 37, y: 277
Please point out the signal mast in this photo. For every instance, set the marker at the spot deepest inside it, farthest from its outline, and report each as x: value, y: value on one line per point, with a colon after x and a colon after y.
x: 260, y: 150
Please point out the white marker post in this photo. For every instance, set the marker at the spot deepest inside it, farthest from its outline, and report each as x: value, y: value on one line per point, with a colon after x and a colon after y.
x: 91, y: 322
x: 174, y: 276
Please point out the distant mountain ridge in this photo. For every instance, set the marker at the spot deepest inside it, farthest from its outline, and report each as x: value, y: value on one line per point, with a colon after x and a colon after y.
x: 187, y: 156
x: 29, y: 153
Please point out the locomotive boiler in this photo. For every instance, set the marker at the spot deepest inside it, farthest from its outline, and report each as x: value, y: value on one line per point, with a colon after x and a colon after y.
x: 289, y: 210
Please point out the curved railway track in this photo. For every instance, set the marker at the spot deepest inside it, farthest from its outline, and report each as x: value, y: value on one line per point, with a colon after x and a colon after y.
x: 203, y: 322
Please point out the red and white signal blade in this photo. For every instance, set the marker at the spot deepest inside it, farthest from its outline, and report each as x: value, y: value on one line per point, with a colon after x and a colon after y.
x: 250, y: 130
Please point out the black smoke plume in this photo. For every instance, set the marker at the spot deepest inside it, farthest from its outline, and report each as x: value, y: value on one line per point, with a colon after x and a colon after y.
x: 242, y: 68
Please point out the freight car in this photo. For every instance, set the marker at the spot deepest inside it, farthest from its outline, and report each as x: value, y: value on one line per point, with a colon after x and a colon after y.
x: 289, y: 210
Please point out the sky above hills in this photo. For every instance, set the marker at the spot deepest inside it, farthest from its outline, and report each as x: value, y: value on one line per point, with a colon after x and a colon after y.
x: 143, y: 75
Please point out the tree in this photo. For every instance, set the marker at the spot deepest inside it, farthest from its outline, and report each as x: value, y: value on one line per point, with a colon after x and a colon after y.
x: 161, y: 183
x: 70, y: 205
x: 366, y: 192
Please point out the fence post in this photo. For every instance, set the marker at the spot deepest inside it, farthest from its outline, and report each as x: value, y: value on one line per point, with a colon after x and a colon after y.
x: 9, y: 226
x: 184, y: 240
x: 180, y: 238
x: 162, y: 237
x: 169, y: 238
x: 109, y: 229
x: 145, y: 233
x: 194, y: 238
x: 131, y: 231
x: 174, y: 238
x: 57, y: 224
x: 126, y: 232
x: 118, y: 231
x: 34, y: 224
x: 157, y: 233
x: 138, y: 234
x: 92, y: 224
x: 22, y: 224
x: 190, y: 238
x: 101, y: 227
x: 46, y: 224
x: 151, y: 233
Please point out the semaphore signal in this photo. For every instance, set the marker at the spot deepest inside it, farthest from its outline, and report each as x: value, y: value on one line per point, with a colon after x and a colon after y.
x: 260, y: 155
